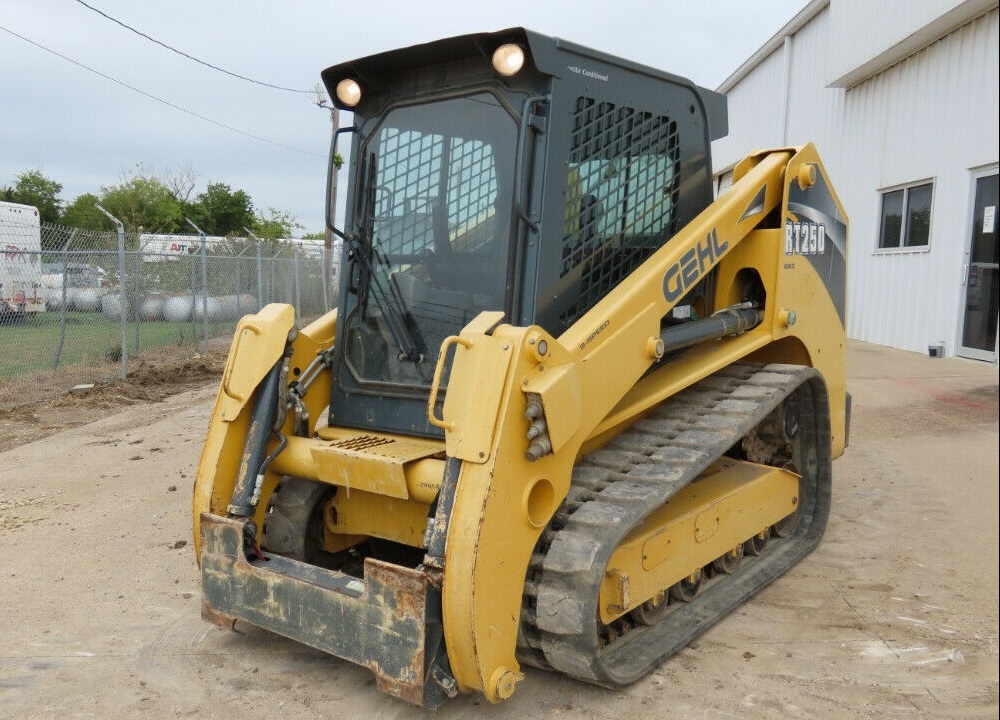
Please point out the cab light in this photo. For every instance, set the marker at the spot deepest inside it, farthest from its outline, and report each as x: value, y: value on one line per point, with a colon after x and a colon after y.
x: 508, y: 59
x: 349, y: 92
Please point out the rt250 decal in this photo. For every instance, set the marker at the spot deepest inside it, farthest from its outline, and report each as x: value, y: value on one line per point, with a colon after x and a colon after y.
x: 804, y: 238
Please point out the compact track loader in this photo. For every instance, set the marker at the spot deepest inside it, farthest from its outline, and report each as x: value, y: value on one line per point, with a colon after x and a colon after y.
x: 570, y: 411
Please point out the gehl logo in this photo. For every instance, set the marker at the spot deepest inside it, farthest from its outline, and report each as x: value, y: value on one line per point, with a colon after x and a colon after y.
x: 804, y: 238
x: 683, y: 274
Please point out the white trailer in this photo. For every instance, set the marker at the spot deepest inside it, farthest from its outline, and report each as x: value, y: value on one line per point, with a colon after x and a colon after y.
x: 21, y: 289
x: 158, y: 248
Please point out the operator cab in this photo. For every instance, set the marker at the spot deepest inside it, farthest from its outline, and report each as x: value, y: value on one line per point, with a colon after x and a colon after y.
x: 505, y: 171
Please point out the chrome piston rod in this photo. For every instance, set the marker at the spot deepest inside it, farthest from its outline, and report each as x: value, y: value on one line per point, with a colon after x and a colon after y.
x: 730, y: 321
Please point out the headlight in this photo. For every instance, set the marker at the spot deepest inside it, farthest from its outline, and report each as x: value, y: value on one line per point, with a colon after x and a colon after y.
x: 508, y: 59
x: 349, y: 92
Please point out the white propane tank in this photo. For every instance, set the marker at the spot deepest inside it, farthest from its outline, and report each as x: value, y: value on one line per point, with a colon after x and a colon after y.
x: 111, y: 306
x: 151, y: 308
x: 211, y: 304
x: 87, y: 299
x: 177, y: 308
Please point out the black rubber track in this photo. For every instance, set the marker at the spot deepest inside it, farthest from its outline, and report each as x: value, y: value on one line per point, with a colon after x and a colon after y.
x: 614, y: 488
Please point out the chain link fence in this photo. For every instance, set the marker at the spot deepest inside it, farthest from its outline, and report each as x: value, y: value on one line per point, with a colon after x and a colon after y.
x: 79, y: 306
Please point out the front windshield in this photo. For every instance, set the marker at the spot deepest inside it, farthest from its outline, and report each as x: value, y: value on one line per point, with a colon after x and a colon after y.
x: 435, y: 204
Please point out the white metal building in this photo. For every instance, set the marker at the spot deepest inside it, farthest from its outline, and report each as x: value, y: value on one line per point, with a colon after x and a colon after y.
x: 901, y: 99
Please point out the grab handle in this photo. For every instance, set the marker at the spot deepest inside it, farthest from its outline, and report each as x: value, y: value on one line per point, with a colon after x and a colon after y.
x: 436, y: 383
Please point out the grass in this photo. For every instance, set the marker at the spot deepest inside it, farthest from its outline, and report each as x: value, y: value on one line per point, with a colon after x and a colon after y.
x: 89, y: 337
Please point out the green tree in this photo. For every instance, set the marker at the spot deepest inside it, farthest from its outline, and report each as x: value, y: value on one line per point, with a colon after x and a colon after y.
x: 220, y: 210
x: 274, y: 224
x: 83, y: 213
x: 144, y: 203
x: 31, y: 187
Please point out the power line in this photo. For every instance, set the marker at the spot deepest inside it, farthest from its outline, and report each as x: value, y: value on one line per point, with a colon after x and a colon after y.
x: 159, y: 99
x: 191, y: 57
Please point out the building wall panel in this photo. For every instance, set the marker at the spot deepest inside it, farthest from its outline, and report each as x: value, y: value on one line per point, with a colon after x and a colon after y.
x: 931, y: 116
x: 865, y: 29
x: 754, y: 113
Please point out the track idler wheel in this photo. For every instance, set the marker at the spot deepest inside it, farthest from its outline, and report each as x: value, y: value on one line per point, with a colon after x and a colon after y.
x: 653, y: 610
x: 784, y: 527
x: 688, y: 588
x: 755, y: 545
x: 730, y: 562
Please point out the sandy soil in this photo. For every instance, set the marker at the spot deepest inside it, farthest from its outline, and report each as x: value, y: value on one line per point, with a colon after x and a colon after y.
x: 36, y: 409
x: 894, y: 616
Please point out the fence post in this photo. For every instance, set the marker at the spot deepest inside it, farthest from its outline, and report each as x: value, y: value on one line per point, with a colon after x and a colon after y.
x: 239, y: 281
x: 260, y: 272
x: 204, y: 288
x: 138, y: 289
x: 62, y: 306
x: 122, y: 280
x: 241, y: 307
x: 272, y: 261
x: 194, y: 294
x: 298, y: 285
x: 260, y: 276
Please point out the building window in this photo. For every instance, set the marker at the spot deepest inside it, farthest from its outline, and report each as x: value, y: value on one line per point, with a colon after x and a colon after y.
x: 906, y: 217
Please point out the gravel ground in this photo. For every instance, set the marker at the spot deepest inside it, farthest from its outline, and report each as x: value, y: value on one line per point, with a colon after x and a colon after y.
x: 894, y: 616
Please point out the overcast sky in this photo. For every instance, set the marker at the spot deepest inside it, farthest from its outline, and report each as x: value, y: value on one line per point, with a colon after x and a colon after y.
x: 85, y: 131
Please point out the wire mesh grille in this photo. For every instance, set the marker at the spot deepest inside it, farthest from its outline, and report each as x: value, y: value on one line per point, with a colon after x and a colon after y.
x: 621, y: 197
x: 471, y: 195
x: 410, y: 183
x: 435, y: 228
x: 406, y: 189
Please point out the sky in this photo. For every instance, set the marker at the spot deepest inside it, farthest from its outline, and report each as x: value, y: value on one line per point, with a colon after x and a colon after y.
x: 87, y: 130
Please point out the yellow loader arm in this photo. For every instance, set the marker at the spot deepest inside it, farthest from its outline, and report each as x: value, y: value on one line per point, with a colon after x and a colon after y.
x: 586, y: 384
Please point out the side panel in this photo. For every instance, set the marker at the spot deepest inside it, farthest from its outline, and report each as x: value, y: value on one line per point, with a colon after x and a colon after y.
x: 814, y: 255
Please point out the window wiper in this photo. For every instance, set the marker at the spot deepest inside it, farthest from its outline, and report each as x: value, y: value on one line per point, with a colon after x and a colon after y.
x: 388, y: 304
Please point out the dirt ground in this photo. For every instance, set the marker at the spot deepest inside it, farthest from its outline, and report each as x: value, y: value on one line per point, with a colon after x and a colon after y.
x: 36, y: 407
x: 894, y: 616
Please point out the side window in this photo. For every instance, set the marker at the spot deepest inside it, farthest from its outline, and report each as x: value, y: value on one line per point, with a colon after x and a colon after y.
x: 906, y: 217
x: 621, y: 197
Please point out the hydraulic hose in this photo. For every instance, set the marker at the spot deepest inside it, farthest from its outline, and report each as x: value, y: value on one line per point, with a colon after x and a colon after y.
x: 262, y: 419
